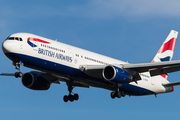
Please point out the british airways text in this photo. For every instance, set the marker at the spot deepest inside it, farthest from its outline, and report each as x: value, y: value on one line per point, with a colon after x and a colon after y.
x: 54, y: 55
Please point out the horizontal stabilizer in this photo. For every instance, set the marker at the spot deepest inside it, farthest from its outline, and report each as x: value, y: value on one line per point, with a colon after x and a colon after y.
x: 171, y: 84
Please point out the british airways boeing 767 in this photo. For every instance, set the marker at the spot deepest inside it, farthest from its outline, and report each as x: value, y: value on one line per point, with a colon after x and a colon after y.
x: 56, y: 61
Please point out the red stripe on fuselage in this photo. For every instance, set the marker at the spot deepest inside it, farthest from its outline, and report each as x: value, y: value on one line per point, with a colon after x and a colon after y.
x: 170, y: 45
x: 38, y: 40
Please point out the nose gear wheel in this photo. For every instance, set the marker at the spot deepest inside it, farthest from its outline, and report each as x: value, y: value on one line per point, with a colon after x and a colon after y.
x: 17, y: 66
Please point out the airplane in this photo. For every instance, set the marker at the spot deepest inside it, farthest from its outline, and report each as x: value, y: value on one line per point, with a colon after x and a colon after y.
x: 57, y: 62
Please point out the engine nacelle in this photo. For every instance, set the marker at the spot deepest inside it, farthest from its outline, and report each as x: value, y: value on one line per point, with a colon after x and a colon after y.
x: 35, y: 82
x: 115, y: 74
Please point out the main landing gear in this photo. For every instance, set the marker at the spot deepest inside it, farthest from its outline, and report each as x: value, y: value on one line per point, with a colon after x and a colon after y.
x: 17, y: 66
x: 117, y: 94
x: 70, y: 97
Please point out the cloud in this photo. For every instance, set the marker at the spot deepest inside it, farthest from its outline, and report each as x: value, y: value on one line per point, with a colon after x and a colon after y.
x: 124, y: 8
x: 94, y: 9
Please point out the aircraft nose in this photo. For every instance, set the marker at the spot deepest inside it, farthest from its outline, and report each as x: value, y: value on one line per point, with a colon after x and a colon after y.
x: 6, y: 46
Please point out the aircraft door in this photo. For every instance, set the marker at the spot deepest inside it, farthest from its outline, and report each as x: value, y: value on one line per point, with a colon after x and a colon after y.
x: 71, y: 55
x: 152, y: 81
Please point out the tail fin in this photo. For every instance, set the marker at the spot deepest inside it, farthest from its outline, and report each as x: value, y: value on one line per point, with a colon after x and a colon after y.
x: 166, y: 51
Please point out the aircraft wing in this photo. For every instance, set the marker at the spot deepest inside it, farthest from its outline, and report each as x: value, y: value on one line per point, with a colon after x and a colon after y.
x: 50, y: 77
x: 156, y: 68
x: 7, y: 74
x: 45, y: 75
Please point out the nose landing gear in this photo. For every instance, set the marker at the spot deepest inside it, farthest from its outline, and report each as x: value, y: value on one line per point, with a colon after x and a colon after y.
x: 17, y: 66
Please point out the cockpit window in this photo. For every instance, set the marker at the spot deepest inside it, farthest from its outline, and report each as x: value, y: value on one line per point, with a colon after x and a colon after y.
x: 14, y: 38
x: 10, y: 38
x: 20, y: 39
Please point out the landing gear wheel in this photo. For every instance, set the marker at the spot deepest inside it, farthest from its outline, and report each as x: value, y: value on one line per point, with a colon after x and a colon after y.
x: 113, y: 95
x: 118, y: 94
x: 65, y: 98
x: 18, y: 74
x: 17, y: 66
x: 123, y: 94
x: 71, y: 98
x: 76, y: 96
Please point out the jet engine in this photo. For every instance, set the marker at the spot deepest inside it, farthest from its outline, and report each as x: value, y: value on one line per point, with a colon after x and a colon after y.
x: 35, y: 82
x: 117, y: 75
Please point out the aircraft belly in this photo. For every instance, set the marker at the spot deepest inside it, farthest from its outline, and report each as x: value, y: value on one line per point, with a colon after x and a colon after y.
x: 78, y: 75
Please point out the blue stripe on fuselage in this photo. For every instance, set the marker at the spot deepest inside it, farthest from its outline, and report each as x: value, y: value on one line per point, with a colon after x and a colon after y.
x: 41, y: 64
x: 135, y: 90
x: 31, y: 44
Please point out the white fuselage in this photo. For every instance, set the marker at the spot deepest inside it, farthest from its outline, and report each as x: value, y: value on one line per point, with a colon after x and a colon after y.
x: 53, y: 53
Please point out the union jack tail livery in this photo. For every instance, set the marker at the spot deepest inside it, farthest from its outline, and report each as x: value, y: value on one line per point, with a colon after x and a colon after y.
x: 166, y: 51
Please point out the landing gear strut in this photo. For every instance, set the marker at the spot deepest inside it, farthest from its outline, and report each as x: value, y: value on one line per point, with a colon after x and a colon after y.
x: 117, y: 94
x: 70, y: 97
x: 17, y: 66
